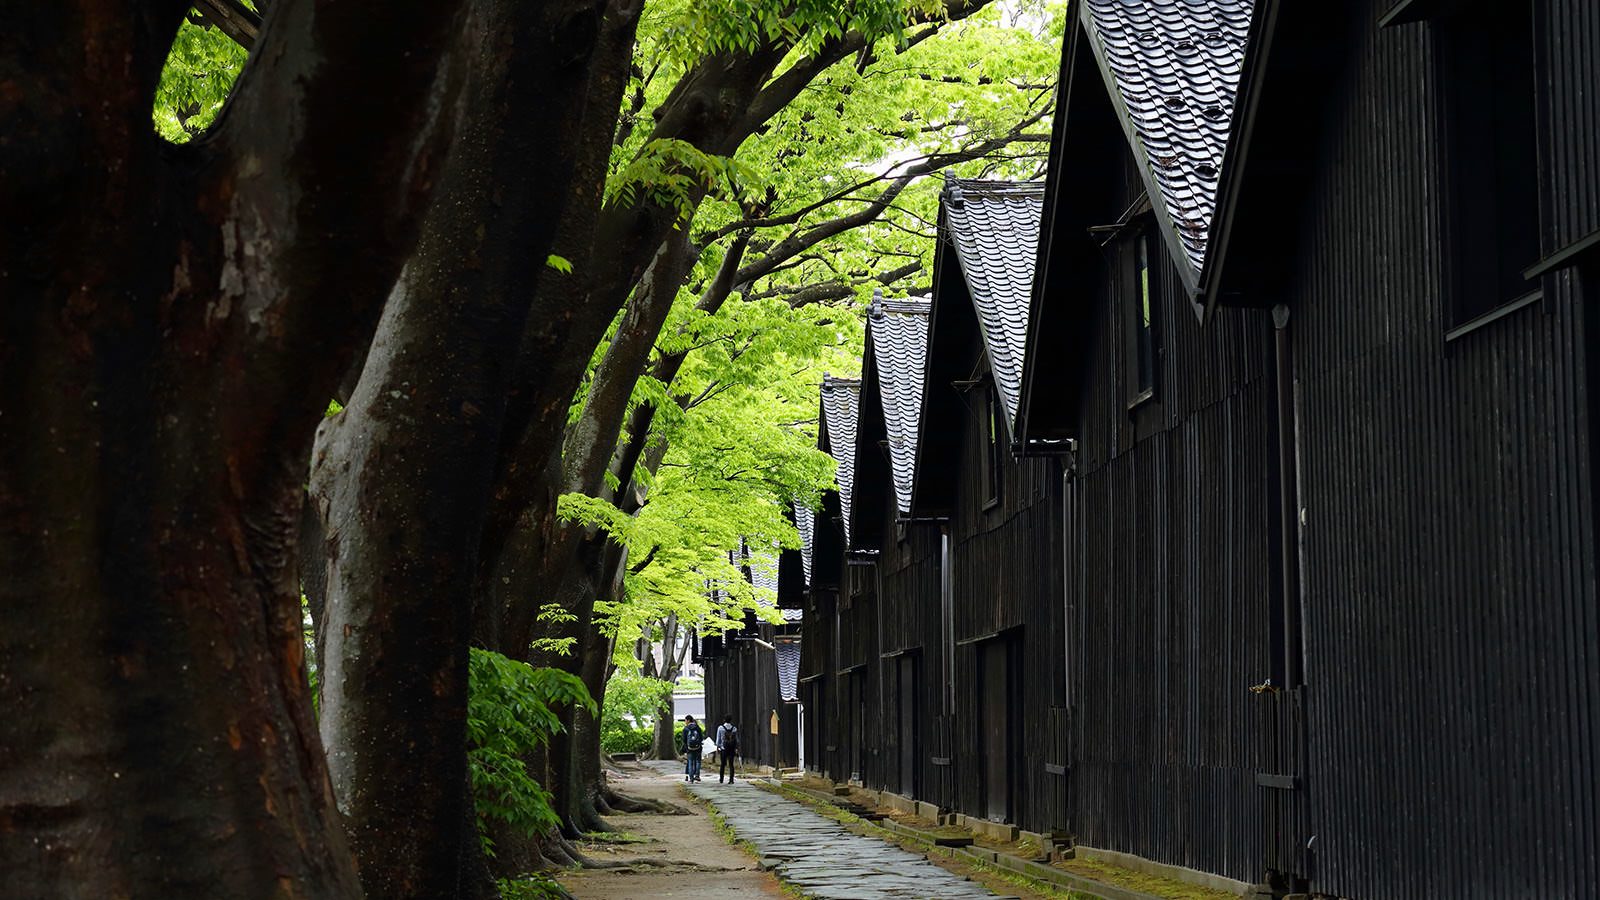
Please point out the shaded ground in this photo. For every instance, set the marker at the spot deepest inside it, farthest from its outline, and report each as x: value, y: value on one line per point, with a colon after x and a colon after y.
x: 691, y: 856
x: 688, y: 856
x: 1156, y: 886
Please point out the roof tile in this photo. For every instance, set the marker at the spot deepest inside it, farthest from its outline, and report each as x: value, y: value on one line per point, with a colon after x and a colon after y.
x: 841, y: 398
x: 805, y: 521
x: 1175, y: 66
x: 994, y: 227
x: 898, y: 330
x: 788, y: 654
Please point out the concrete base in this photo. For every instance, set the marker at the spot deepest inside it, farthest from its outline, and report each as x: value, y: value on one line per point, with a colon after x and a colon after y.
x: 1176, y: 873
x: 927, y: 811
x: 897, y: 803
x: 1051, y: 844
x: 999, y: 831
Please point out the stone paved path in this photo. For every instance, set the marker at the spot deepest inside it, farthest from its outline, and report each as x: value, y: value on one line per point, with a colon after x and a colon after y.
x: 823, y: 859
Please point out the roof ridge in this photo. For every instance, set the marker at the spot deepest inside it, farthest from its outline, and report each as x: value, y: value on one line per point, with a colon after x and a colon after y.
x: 995, y: 186
x: 911, y: 307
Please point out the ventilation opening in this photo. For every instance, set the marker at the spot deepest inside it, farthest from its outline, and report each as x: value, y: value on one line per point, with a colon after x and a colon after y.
x: 207, y: 55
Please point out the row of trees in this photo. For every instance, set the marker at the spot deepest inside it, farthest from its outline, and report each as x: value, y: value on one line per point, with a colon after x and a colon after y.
x: 569, y: 269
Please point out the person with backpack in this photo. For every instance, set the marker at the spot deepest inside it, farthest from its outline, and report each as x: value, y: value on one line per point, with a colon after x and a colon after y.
x: 727, y: 748
x: 693, y: 736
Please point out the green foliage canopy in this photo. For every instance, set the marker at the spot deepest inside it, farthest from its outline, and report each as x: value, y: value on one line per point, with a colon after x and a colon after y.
x: 199, y: 73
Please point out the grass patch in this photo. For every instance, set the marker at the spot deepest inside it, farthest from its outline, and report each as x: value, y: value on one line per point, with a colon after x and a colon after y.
x: 1155, y: 885
x: 532, y: 887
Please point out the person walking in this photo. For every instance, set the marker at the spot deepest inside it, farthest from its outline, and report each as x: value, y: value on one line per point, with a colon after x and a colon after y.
x: 693, y: 736
x: 727, y: 748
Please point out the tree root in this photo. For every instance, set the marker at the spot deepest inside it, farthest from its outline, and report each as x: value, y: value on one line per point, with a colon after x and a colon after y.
x: 622, y: 803
x: 566, y: 854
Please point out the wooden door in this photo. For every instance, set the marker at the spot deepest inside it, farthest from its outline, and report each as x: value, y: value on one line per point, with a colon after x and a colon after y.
x: 906, y: 730
x: 995, y: 692
x: 1286, y: 808
x: 858, y: 722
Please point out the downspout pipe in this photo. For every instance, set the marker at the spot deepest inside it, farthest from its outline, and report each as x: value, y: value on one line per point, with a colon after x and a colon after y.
x: 1289, y: 503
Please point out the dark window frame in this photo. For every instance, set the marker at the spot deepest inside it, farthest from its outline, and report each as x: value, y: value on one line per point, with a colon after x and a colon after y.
x: 993, y: 449
x: 1486, y: 69
x: 1138, y: 291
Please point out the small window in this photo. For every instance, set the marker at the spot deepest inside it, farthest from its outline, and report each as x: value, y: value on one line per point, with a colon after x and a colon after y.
x: 1138, y: 294
x: 1487, y: 106
x: 994, y: 447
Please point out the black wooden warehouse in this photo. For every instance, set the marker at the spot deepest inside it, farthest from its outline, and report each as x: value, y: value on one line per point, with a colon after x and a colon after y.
x: 1267, y: 547
x: 1414, y: 186
x: 751, y: 673
x: 1169, y: 496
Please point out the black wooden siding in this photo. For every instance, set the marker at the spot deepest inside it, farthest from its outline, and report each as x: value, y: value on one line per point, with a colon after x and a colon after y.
x: 744, y: 683
x: 1453, y: 678
x: 1570, y: 117
x: 1005, y: 571
x: 818, y: 661
x: 1172, y: 584
x: 908, y: 570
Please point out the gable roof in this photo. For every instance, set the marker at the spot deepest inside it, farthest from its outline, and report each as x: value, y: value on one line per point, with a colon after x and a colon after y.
x: 763, y: 565
x: 837, y: 438
x: 1172, y: 69
x: 993, y: 227
x: 897, y: 347
x: 1151, y: 85
x: 805, y: 522
x: 1295, y: 53
x: 787, y: 653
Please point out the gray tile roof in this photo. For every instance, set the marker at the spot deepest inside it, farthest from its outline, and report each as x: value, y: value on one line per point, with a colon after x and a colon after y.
x: 805, y: 522
x: 841, y: 398
x: 898, y: 330
x: 1173, y: 68
x: 764, y: 575
x: 788, y: 653
x: 994, y: 227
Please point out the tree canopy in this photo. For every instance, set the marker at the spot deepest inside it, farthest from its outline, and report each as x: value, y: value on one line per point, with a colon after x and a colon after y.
x: 571, y: 270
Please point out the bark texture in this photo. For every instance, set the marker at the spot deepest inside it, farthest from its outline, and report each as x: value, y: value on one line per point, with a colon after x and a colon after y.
x: 174, y: 320
x: 403, y: 475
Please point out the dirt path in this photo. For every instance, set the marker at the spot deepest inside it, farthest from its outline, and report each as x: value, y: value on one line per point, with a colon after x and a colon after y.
x: 690, y: 857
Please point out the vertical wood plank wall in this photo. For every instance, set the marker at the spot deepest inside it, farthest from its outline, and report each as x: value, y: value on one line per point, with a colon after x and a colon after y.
x: 1005, y: 574
x: 1453, y: 677
x: 743, y: 683
x: 1445, y: 740
x: 909, y: 583
x: 1172, y: 586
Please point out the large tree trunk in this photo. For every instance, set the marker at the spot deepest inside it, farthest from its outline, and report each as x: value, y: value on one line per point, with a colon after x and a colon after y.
x: 577, y: 602
x: 173, y: 322
x: 404, y: 475
x: 397, y: 477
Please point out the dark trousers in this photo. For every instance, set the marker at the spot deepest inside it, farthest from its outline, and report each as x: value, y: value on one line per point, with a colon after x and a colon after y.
x: 725, y: 766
